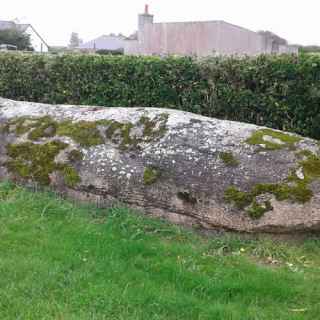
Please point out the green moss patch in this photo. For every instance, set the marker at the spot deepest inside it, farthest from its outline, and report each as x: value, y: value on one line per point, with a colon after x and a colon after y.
x: 295, y: 189
x: 75, y: 155
x: 88, y: 133
x: 304, y: 154
x: 279, y: 140
x: 153, y: 128
x: 228, y: 159
x: 37, y: 127
x: 43, y: 128
x: 238, y: 198
x: 70, y: 175
x: 36, y: 162
x: 120, y: 133
x: 83, y: 132
x: 295, y: 192
x: 311, y: 166
x: 150, y: 175
x: 257, y: 210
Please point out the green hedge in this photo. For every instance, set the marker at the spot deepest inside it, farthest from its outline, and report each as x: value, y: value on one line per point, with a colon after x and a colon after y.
x: 282, y: 92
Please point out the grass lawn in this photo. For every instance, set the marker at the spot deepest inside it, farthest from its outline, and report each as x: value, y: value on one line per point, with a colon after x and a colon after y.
x: 64, y: 261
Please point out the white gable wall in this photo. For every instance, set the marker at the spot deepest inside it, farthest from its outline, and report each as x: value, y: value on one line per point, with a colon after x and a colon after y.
x: 36, y: 42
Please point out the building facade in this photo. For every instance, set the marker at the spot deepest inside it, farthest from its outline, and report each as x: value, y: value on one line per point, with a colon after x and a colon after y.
x: 199, y: 39
x: 37, y: 42
x: 110, y: 43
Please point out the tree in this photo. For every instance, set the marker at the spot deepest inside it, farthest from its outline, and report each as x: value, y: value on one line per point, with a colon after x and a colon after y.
x: 75, y: 41
x: 309, y: 49
x: 16, y: 38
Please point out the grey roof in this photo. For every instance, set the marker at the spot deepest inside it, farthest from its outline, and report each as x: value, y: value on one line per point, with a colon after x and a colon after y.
x: 4, y: 25
x: 105, y: 43
x: 23, y: 27
x: 7, y: 25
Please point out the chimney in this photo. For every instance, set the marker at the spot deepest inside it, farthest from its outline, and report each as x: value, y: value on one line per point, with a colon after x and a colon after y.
x: 145, y: 18
x: 146, y: 9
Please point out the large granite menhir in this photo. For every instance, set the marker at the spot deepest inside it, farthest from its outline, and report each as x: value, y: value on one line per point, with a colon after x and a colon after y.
x: 183, y: 167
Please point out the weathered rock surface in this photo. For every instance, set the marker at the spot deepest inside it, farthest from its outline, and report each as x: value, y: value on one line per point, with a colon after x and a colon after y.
x: 186, y: 168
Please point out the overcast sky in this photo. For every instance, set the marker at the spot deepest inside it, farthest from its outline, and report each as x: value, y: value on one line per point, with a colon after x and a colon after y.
x: 296, y: 20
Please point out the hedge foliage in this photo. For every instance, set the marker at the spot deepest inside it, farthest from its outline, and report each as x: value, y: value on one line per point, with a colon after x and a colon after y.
x: 281, y: 92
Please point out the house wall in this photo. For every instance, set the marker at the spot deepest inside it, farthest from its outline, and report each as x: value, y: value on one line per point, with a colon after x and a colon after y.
x: 195, y: 38
x: 132, y: 47
x: 198, y: 38
x: 237, y: 40
x: 36, y: 42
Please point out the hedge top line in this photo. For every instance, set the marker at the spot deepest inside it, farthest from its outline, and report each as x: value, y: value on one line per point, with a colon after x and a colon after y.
x: 282, y: 92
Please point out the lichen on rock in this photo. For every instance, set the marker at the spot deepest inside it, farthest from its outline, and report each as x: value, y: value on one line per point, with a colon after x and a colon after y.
x: 153, y: 128
x: 146, y: 130
x: 87, y: 133
x: 173, y: 164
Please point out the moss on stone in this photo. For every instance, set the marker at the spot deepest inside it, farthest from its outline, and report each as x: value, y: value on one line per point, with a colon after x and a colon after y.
x: 37, y: 161
x: 43, y: 128
x: 75, y: 155
x: 304, y: 154
x: 285, y: 140
x: 150, y: 175
x: 83, y: 132
x: 120, y: 133
x: 88, y: 133
x: 228, y: 159
x: 20, y: 125
x: 19, y: 168
x: 238, y: 198
x: 34, y: 161
x: 153, y: 128
x: 311, y: 166
x: 257, y: 210
x: 296, y: 192
x: 70, y: 175
x: 294, y: 188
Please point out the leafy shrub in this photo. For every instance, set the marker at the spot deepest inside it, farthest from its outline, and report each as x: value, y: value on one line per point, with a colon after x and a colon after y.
x: 281, y: 92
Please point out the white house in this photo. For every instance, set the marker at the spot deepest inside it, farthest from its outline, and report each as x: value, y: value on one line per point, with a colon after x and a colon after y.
x: 37, y: 42
x: 111, y: 43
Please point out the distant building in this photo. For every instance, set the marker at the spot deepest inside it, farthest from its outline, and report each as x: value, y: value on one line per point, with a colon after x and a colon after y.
x: 37, y: 42
x: 200, y: 39
x: 110, y: 43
